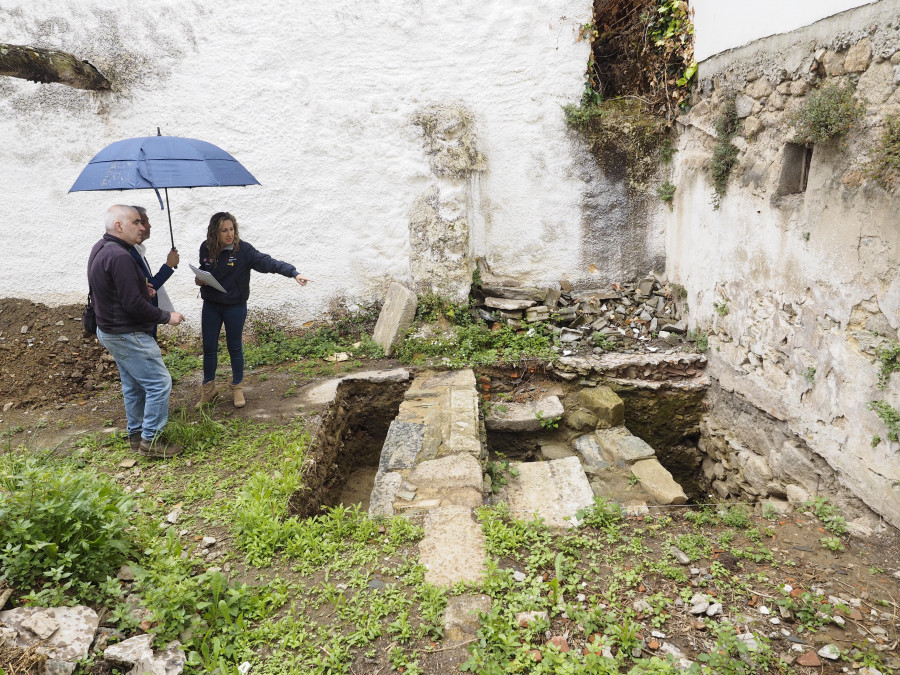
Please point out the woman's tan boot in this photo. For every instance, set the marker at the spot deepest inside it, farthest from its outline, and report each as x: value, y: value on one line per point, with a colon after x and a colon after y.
x: 239, y: 400
x: 207, y: 393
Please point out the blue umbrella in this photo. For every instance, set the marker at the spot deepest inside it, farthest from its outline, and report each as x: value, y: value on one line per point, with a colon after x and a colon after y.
x: 155, y: 162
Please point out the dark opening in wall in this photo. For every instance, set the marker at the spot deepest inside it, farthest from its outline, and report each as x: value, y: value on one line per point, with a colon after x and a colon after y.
x: 795, y: 169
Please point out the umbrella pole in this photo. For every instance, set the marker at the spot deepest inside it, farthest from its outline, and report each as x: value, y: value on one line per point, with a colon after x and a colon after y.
x: 169, y: 212
x: 171, y: 236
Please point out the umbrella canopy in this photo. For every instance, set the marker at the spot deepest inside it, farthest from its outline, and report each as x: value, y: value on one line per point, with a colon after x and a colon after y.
x: 161, y: 162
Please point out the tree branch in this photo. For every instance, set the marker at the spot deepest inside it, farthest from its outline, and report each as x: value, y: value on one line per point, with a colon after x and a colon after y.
x: 49, y: 65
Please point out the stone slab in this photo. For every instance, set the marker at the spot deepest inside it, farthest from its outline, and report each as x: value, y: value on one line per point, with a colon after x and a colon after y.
x: 553, y: 490
x: 658, y: 482
x: 515, y: 293
x: 396, y: 316
x: 401, y: 446
x: 619, y: 445
x: 453, y: 471
x: 464, y: 435
x: 508, y: 305
x: 522, y: 417
x: 384, y: 492
x: 69, y: 642
x: 452, y: 549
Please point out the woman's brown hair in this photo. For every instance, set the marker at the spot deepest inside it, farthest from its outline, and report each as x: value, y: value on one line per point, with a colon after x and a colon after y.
x: 212, y: 233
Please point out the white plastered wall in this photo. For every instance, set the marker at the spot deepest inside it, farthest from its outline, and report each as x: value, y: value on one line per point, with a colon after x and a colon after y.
x: 315, y: 99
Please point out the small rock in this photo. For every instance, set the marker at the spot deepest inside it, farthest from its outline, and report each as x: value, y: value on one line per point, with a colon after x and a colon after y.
x: 750, y: 640
x: 519, y: 576
x: 525, y: 619
x: 809, y: 659
x: 208, y: 541
x: 127, y: 463
x: 830, y: 652
x: 24, y: 330
x: 173, y: 516
x: 680, y: 555
x: 560, y: 643
x: 700, y: 608
x: 714, y: 609
x: 125, y: 574
x: 764, y: 610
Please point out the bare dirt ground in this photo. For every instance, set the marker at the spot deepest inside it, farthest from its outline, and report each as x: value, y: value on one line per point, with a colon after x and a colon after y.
x: 56, y: 385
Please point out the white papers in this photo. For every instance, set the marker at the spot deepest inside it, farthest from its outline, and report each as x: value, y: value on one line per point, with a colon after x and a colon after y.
x: 206, y: 278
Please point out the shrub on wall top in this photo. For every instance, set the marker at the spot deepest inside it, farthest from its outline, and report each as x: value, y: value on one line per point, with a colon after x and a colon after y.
x: 828, y: 113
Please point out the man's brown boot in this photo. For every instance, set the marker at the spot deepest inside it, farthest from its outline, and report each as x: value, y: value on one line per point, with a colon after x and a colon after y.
x: 207, y: 393
x: 159, y: 449
x: 239, y: 400
x: 134, y: 440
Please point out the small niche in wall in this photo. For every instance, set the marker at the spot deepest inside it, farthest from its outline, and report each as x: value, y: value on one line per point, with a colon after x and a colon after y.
x: 795, y: 169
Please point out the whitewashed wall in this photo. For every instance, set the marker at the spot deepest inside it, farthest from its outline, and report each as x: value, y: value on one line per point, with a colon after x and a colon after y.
x: 315, y: 99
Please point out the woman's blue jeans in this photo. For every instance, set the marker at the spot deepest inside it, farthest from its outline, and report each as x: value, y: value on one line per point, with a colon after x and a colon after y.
x: 146, y: 383
x: 212, y: 318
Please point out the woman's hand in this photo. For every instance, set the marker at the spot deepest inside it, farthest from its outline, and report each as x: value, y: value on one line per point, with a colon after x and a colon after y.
x: 302, y: 280
x: 198, y: 282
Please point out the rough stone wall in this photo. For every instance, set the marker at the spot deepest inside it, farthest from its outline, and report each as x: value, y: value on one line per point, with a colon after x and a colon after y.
x: 796, y: 288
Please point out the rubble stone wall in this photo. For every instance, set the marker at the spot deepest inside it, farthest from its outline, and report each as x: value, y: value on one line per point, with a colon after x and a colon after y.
x: 797, y: 288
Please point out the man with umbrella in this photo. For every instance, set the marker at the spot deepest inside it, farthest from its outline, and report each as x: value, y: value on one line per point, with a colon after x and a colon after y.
x: 125, y: 319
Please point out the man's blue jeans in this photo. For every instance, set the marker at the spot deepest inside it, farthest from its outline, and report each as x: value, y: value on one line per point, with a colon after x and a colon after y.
x: 146, y: 383
x: 213, y: 316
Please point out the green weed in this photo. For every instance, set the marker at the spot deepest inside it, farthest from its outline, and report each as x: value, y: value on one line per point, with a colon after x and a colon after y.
x: 829, y: 112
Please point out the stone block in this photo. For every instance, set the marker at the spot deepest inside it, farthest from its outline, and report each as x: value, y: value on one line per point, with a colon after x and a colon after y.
x: 605, y: 404
x: 658, y: 482
x: 619, y: 445
x: 858, y: 57
x: 384, y: 492
x: 130, y: 651
x: 452, y: 549
x: 396, y: 316
x: 461, y: 618
x: 453, y: 471
x: 523, y: 417
x: 834, y: 64
x: 402, y: 445
x: 591, y: 453
x: 580, y: 420
x: 554, y: 490
x: 759, y: 88
x: 539, y: 313
x: 513, y: 293
x: 744, y: 106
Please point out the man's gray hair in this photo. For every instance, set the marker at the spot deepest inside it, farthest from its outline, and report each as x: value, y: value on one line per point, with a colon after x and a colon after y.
x: 117, y: 212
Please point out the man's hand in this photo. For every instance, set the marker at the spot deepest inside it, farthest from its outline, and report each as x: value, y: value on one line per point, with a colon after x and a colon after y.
x: 151, y: 290
x: 175, y: 318
x: 173, y: 258
x: 302, y: 280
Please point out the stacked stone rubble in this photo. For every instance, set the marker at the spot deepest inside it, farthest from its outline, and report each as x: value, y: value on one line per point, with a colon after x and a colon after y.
x: 621, y: 315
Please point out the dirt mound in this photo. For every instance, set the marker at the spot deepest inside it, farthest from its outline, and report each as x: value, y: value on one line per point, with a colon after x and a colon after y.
x: 45, y: 357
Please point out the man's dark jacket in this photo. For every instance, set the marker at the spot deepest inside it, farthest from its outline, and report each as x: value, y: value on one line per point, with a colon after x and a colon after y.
x: 119, y: 290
